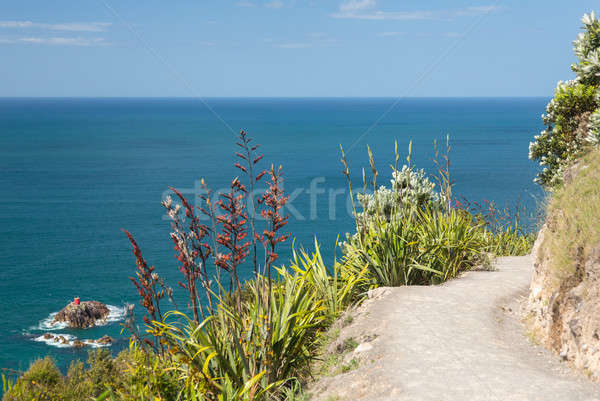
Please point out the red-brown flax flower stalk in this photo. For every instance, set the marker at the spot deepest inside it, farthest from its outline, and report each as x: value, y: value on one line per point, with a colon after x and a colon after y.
x: 273, y: 201
x: 147, y: 283
x: 208, y: 208
x: 248, y: 165
x: 233, y: 233
x: 192, y: 252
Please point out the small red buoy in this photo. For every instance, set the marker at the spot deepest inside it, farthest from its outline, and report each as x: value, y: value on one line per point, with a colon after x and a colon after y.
x: 76, y: 301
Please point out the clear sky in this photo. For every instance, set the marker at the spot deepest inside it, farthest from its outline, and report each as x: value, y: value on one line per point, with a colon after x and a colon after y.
x: 286, y: 47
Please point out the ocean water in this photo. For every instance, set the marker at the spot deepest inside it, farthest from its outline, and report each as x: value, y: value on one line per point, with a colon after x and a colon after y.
x: 74, y: 172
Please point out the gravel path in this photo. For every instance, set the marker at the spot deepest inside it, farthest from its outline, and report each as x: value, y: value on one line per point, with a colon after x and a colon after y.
x: 461, y: 341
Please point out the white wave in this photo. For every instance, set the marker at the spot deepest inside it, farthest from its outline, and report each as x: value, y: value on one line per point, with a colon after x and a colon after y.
x: 53, y: 340
x: 115, y: 314
x: 49, y: 324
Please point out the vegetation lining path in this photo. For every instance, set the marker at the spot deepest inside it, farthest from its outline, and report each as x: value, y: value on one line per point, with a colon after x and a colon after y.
x: 458, y: 341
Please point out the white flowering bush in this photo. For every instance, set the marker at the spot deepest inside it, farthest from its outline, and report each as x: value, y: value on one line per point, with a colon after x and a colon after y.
x: 410, y: 188
x: 587, y: 50
x: 571, y: 119
x: 594, y: 128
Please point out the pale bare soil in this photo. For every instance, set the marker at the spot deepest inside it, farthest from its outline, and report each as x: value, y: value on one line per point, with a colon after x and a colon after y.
x: 459, y: 341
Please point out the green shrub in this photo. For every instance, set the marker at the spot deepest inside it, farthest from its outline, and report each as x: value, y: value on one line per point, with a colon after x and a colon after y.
x: 145, y: 375
x: 572, y: 117
x: 43, y: 372
x: 416, y: 247
x: 567, y: 129
x: 41, y: 382
x: 450, y: 243
x: 133, y: 375
x: 594, y: 126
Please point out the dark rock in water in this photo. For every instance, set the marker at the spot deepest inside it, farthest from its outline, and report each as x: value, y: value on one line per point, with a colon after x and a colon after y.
x: 78, y: 344
x: 105, y: 340
x: 48, y: 336
x: 82, y: 315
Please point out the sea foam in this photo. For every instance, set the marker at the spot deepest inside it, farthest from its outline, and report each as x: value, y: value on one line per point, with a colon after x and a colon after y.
x: 58, y: 344
x: 70, y: 338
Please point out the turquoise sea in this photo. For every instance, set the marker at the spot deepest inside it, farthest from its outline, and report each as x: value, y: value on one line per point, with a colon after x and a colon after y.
x: 74, y: 172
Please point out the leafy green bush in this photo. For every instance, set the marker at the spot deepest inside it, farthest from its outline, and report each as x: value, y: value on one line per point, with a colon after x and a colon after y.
x: 572, y: 117
x: 567, y: 118
x: 594, y: 125
x: 416, y: 247
x: 41, y: 382
x: 133, y: 375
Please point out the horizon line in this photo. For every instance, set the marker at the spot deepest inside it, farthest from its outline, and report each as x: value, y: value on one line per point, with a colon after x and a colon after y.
x: 280, y: 97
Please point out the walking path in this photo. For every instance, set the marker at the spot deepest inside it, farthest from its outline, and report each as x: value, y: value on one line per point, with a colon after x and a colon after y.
x: 460, y: 341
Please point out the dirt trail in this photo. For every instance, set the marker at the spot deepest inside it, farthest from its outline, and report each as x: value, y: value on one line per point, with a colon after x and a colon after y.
x: 461, y: 341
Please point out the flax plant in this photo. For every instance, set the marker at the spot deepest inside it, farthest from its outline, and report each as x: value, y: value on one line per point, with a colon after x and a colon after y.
x: 244, y: 341
x: 411, y: 240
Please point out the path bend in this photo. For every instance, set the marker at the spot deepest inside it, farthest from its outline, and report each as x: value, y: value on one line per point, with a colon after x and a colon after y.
x: 460, y: 341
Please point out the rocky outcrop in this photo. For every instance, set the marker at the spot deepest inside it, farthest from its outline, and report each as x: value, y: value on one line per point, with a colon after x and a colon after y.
x: 82, y: 315
x: 106, y: 340
x: 563, y: 309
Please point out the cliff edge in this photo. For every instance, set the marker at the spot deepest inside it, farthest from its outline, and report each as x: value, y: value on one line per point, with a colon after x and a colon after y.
x: 563, y: 307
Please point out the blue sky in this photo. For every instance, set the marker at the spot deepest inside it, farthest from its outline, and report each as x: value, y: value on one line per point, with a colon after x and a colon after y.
x: 286, y: 47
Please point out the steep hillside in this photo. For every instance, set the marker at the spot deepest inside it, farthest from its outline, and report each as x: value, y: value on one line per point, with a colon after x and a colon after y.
x: 564, y: 302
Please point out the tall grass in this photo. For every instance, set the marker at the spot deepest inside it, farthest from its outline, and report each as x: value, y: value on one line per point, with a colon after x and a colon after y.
x: 572, y: 234
x: 503, y: 230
